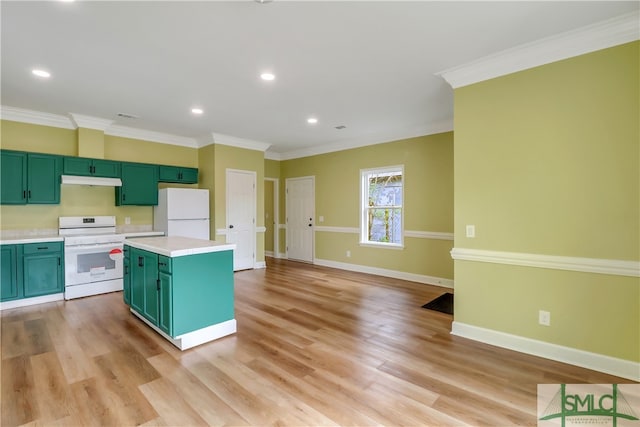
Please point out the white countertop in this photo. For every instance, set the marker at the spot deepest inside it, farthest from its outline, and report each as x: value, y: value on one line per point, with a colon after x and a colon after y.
x: 130, y: 235
x: 19, y: 237
x: 175, y: 246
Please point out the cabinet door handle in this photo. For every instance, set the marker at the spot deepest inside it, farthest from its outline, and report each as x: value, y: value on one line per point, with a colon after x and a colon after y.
x: 24, y: 194
x: 123, y: 197
x: 42, y: 248
x: 140, y: 261
x: 58, y: 260
x: 158, y: 284
x: 126, y: 269
x: 29, y: 193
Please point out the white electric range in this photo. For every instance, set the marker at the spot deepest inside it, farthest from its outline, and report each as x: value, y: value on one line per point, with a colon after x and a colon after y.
x: 93, y: 255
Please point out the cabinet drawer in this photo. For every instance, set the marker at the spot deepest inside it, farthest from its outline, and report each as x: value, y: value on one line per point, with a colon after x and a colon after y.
x: 43, y: 247
x: 164, y: 264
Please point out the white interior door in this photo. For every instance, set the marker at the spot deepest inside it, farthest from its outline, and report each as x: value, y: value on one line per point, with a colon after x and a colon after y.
x: 241, y: 216
x: 300, y: 218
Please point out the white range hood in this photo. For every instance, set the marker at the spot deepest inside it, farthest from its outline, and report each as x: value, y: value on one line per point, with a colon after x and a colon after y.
x: 91, y: 180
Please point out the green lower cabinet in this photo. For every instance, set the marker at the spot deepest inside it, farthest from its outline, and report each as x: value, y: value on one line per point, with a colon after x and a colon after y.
x: 42, y: 275
x: 144, y: 283
x: 9, y: 288
x: 165, y: 322
x: 31, y: 270
x: 126, y: 276
x: 182, y: 294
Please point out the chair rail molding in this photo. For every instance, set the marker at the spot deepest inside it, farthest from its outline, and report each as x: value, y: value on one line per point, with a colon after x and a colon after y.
x: 587, y: 265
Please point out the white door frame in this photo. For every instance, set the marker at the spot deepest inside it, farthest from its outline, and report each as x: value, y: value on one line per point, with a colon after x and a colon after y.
x: 276, y: 216
x: 313, y: 202
x: 255, y: 207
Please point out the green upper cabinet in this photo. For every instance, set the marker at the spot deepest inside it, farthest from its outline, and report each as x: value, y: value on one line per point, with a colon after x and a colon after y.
x: 13, y: 183
x: 91, y: 167
x: 29, y: 178
x: 178, y: 174
x: 139, y: 185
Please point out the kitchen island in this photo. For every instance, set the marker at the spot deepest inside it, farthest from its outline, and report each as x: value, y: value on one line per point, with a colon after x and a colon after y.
x: 181, y: 287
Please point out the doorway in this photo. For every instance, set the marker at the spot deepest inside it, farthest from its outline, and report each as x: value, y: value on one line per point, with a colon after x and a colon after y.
x: 300, y: 218
x: 241, y: 216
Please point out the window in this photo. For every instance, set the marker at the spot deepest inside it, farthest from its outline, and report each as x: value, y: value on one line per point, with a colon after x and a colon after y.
x: 381, y: 206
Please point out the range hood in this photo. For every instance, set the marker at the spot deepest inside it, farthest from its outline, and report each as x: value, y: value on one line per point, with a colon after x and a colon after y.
x: 91, y: 180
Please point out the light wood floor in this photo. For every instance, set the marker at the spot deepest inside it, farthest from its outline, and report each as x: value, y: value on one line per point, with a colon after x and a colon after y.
x: 315, y: 346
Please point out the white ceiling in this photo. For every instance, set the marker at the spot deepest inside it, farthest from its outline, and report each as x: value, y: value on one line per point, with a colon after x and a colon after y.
x: 369, y: 66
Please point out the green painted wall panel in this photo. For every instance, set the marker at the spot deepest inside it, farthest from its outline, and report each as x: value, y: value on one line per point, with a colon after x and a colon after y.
x: 203, y: 291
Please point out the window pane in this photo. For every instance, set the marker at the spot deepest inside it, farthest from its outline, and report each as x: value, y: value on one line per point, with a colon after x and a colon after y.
x: 385, y: 189
x: 385, y: 225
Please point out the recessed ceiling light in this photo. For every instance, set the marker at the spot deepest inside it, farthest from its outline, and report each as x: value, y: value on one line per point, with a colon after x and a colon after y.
x: 267, y: 76
x: 312, y: 120
x: 41, y: 73
x: 197, y: 110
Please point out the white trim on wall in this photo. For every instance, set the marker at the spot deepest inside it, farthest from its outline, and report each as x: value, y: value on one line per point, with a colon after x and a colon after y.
x: 601, y: 35
x: 437, y: 235
x: 597, y: 362
x: 587, y: 265
x: 21, y: 115
x: 330, y: 229
x: 403, y: 275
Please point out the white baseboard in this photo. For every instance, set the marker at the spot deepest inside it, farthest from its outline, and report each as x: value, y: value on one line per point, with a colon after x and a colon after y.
x: 597, y: 362
x: 260, y: 264
x: 412, y: 277
x: 269, y: 253
x: 197, y: 337
x: 24, y: 302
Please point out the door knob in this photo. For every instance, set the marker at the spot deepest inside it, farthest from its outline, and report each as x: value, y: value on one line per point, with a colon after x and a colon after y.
x: 231, y: 226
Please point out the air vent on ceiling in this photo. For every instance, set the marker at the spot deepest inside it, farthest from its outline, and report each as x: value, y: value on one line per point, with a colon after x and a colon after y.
x: 127, y: 116
x: 341, y: 127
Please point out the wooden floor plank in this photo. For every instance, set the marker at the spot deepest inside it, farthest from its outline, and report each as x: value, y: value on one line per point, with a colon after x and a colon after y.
x: 315, y: 346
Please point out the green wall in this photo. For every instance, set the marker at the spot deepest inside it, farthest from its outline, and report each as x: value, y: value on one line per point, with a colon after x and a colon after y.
x: 547, y: 162
x: 428, y: 166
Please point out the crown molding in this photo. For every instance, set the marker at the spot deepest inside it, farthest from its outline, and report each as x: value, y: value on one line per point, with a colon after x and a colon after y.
x: 233, y: 141
x: 421, y: 130
x: 272, y: 155
x: 148, y: 135
x: 612, y: 32
x: 88, y: 122
x: 22, y: 115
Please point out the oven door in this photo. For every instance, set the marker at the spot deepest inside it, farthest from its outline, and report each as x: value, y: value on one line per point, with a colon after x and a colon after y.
x: 92, y: 263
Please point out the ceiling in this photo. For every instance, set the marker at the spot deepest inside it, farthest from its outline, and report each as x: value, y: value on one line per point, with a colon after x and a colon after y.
x: 367, y: 65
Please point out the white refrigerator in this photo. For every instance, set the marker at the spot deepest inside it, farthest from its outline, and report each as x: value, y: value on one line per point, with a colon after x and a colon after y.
x: 182, y: 212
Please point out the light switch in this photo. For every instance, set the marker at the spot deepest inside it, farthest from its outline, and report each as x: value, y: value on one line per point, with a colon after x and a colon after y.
x: 471, y: 231
x: 320, y: 218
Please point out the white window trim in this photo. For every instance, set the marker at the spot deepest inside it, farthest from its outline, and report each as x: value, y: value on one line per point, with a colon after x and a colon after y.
x: 364, y: 193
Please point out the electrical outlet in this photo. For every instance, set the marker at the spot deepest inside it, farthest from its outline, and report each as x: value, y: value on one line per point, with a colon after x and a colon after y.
x: 321, y: 218
x: 348, y: 254
x: 544, y: 318
x: 471, y: 231
x: 127, y: 220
